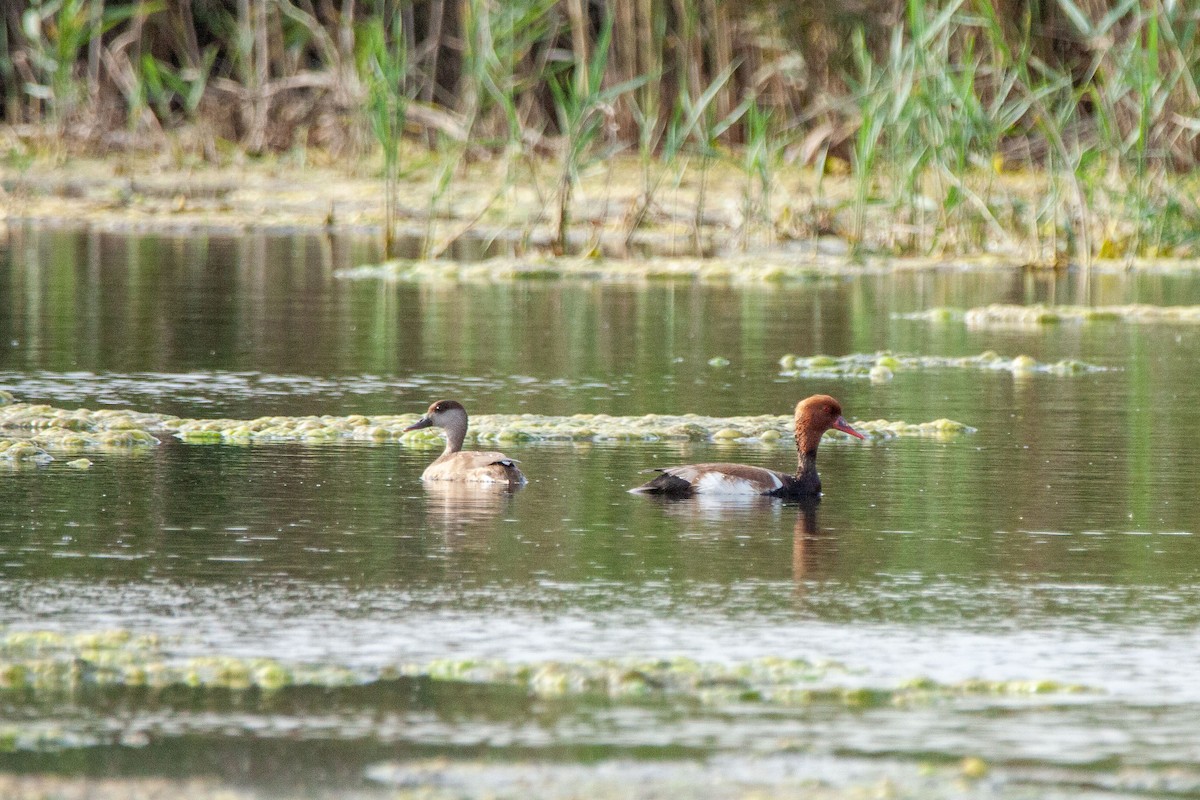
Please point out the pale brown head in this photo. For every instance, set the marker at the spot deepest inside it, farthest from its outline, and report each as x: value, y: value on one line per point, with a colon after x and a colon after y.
x: 442, y: 414
x: 814, y: 416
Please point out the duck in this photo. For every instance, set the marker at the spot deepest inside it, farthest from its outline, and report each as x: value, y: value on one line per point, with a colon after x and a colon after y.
x: 814, y: 416
x: 455, y: 464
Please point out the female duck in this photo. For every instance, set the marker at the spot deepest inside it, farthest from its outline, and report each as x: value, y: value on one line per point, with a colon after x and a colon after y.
x: 454, y: 464
x: 814, y: 416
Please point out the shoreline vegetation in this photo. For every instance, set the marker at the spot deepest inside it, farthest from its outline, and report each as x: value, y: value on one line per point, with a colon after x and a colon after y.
x: 1048, y: 133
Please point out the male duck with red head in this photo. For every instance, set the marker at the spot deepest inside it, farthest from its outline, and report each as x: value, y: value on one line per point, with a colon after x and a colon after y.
x: 814, y: 416
x: 455, y: 464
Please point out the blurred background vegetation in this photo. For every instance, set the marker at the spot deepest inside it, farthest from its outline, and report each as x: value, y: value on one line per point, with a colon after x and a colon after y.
x: 921, y: 106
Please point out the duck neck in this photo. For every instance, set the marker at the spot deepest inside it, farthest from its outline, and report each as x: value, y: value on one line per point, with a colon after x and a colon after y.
x: 456, y: 432
x: 806, y: 469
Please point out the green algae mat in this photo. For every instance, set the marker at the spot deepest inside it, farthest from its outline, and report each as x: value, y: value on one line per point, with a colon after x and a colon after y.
x: 45, y: 430
x: 1038, y: 314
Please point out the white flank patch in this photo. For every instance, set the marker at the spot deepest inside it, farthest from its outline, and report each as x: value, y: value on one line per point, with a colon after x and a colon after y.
x: 720, y: 483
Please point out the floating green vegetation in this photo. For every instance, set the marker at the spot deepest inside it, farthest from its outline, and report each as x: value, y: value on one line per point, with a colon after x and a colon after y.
x: 46, y: 661
x: 16, y: 451
x: 53, y: 427
x: 776, y: 681
x: 735, y: 269
x: 501, y: 428
x: 762, y: 679
x: 1006, y: 315
x: 36, y: 432
x: 57, y: 663
x: 883, y: 366
x: 48, y: 419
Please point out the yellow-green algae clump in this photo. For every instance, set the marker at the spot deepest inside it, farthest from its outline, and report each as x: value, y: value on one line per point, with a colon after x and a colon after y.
x: 1033, y: 316
x: 52, y: 428
x: 18, y: 451
x: 33, y: 433
x: 503, y: 428
x: 48, y: 661
x: 52, y: 662
x: 883, y: 366
x: 778, y: 681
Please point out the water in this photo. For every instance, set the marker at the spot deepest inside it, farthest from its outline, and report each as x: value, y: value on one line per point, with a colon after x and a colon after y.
x: 1056, y: 544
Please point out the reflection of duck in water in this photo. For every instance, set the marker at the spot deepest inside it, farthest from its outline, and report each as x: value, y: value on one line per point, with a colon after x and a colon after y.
x: 455, y: 464
x: 718, y: 516
x: 814, y: 416
x: 807, y: 541
x: 457, y: 505
x: 716, y: 508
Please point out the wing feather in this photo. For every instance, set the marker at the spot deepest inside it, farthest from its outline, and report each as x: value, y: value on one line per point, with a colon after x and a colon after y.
x: 715, y: 479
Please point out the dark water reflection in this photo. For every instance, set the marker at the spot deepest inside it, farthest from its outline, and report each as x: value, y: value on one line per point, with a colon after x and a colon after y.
x: 1057, y: 543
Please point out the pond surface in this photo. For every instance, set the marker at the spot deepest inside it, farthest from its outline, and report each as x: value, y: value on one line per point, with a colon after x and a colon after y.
x: 1052, y: 553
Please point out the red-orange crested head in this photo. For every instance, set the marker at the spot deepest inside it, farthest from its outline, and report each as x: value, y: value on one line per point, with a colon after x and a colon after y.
x: 814, y: 416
